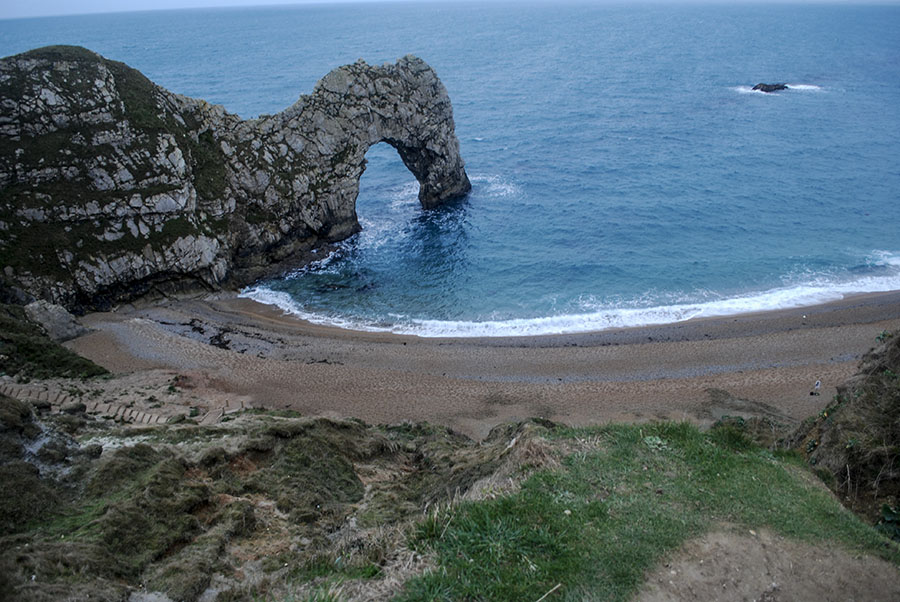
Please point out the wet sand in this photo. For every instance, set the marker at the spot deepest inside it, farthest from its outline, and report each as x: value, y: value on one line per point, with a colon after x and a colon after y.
x: 231, y: 347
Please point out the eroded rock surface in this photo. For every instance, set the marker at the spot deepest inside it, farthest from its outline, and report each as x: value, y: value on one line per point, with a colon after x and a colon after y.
x: 111, y: 186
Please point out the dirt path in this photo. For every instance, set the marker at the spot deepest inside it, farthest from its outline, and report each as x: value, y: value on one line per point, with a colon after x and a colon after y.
x: 731, y: 565
x: 140, y: 398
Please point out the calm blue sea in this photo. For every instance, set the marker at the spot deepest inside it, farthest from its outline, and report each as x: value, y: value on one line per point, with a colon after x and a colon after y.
x: 624, y: 173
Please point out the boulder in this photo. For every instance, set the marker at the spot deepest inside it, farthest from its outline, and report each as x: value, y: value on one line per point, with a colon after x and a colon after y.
x: 73, y: 407
x: 56, y: 321
x: 770, y: 87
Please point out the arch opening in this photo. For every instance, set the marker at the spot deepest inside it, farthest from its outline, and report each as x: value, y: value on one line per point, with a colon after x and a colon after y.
x: 385, y: 180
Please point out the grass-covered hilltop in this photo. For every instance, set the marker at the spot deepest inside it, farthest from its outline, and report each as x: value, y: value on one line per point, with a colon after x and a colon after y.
x: 272, y: 505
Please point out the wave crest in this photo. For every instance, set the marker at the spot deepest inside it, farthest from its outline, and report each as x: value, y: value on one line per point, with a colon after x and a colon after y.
x: 883, y: 276
x: 493, y: 186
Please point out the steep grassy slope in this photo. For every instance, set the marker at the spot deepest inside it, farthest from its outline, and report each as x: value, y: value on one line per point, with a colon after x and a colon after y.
x: 276, y: 506
x: 854, y: 444
x: 27, y: 352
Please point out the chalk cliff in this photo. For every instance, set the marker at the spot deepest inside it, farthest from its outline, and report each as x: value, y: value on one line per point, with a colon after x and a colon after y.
x: 111, y: 186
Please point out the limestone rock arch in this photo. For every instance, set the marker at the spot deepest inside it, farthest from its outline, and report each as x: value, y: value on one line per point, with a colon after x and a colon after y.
x: 357, y: 106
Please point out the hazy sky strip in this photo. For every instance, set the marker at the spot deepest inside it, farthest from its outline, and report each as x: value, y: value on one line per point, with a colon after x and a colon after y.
x: 11, y: 9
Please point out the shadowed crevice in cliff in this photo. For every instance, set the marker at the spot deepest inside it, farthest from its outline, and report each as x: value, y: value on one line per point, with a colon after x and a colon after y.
x: 110, y: 182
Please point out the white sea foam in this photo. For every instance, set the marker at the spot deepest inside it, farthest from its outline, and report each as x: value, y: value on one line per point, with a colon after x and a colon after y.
x: 403, y: 201
x: 804, y: 87
x: 288, y: 305
x: 405, y: 195
x: 319, y: 265
x: 884, y: 258
x: 493, y: 186
x: 814, y: 291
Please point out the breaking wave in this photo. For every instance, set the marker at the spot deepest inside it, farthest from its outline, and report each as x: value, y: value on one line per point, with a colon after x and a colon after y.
x: 880, y: 274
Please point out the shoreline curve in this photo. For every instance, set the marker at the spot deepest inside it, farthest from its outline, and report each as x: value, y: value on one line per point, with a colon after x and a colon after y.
x: 852, y: 308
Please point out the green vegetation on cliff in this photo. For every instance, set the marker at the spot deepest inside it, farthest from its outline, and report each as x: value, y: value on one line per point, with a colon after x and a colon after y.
x: 854, y: 444
x: 27, y: 352
x: 84, y: 174
x: 626, y: 497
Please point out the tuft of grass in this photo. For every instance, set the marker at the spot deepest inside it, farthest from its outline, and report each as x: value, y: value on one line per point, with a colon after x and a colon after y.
x: 627, y: 497
x: 25, y: 496
x: 331, y: 566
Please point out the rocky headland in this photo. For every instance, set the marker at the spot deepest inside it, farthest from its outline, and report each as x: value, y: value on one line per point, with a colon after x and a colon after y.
x: 112, y: 187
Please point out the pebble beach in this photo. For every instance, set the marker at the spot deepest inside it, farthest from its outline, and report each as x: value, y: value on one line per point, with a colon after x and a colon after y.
x: 242, y: 352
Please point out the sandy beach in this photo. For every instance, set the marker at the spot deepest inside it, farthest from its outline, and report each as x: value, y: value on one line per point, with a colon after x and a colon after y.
x: 232, y: 348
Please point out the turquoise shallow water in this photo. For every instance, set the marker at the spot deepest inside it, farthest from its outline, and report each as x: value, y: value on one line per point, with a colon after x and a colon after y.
x: 624, y: 173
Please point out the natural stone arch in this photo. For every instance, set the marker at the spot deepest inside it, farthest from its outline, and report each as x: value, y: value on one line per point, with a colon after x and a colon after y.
x: 357, y: 106
x: 111, y: 186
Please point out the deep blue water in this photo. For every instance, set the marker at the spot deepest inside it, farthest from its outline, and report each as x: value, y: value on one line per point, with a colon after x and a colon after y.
x: 623, y: 171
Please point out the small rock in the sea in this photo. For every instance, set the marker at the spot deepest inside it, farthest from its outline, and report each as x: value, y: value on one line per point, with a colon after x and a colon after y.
x: 770, y: 87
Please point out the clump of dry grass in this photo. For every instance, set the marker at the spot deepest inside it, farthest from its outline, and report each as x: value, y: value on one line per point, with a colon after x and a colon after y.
x: 265, y: 507
x: 526, y: 452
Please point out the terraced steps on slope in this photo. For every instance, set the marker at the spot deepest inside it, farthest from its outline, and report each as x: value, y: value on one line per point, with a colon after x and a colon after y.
x: 126, y: 413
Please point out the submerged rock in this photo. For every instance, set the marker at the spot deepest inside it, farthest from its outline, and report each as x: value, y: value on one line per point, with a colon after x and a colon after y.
x: 112, y: 187
x: 770, y: 87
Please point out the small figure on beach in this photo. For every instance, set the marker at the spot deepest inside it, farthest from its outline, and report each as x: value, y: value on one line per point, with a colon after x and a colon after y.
x: 816, y: 388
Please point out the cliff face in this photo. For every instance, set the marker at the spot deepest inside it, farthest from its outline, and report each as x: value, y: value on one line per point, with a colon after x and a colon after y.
x: 111, y: 186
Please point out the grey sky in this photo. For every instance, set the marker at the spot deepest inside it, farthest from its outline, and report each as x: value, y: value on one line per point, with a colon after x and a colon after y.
x: 10, y: 9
